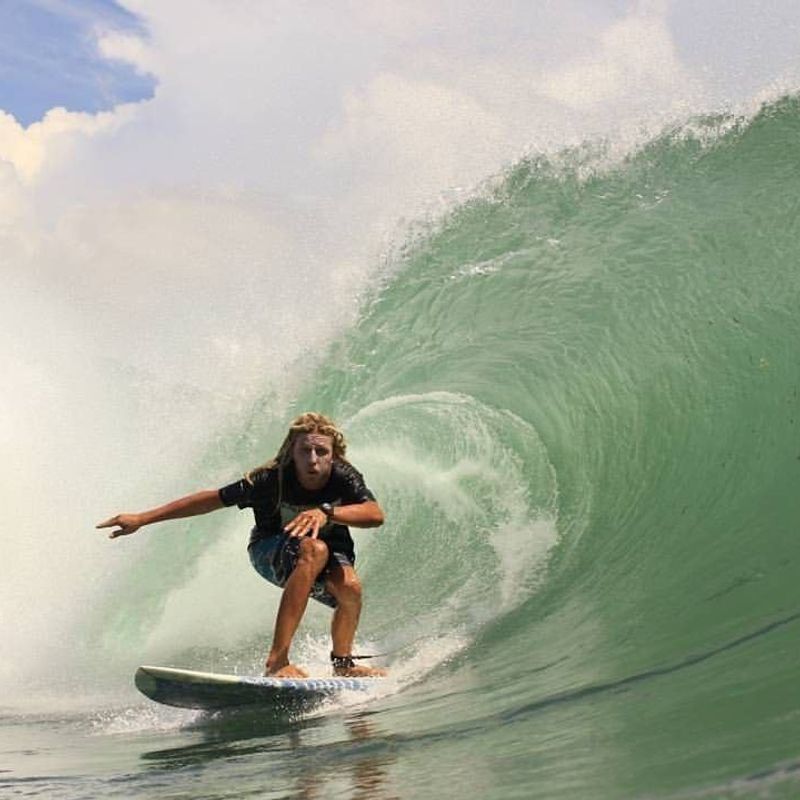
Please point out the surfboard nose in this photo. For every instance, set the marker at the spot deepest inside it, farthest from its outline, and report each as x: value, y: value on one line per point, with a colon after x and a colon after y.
x: 145, y: 682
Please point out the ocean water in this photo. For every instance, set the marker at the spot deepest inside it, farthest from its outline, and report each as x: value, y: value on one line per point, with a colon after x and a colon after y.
x: 576, y: 396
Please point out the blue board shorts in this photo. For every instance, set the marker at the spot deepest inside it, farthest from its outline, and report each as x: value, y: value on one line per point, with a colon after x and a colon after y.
x: 274, y: 559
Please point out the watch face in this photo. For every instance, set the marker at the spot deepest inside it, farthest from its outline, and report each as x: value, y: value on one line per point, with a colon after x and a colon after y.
x: 326, y: 509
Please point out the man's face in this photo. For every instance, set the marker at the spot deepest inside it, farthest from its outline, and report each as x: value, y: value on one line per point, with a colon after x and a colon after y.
x: 313, y: 459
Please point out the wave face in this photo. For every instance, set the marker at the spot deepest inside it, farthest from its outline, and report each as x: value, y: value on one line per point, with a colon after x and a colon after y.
x: 579, y: 396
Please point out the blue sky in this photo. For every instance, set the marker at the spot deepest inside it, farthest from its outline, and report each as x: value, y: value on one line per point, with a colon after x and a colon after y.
x: 49, y: 57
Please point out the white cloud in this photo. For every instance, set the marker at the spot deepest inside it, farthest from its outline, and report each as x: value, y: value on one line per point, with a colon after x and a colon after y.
x: 29, y: 150
x: 394, y: 18
x: 129, y: 48
x: 408, y: 140
x: 635, y: 57
x: 12, y: 198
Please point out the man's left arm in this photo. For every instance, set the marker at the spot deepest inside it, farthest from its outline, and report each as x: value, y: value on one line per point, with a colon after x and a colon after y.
x: 359, y: 515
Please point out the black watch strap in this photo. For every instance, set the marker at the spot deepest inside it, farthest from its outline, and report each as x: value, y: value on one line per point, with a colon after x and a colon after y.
x: 326, y: 509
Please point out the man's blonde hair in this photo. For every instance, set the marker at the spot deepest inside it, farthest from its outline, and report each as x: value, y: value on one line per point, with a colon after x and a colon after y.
x: 309, y: 422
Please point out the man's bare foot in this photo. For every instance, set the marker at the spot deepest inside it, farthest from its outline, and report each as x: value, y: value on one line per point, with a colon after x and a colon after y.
x: 358, y: 671
x: 287, y: 671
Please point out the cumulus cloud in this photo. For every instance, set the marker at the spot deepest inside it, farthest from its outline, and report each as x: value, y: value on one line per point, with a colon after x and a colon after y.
x: 634, y: 58
x: 408, y: 140
x: 29, y: 150
x: 11, y: 194
x: 130, y: 48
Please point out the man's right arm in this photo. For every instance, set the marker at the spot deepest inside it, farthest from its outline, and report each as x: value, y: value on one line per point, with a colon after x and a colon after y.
x: 198, y: 503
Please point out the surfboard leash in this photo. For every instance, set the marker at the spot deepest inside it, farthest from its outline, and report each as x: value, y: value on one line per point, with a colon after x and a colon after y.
x: 336, y: 659
x: 346, y: 662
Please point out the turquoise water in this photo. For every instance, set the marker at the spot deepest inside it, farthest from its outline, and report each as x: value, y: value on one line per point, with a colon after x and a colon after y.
x: 577, y: 398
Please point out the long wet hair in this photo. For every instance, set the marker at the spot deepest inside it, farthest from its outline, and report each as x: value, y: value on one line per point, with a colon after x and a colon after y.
x: 309, y: 422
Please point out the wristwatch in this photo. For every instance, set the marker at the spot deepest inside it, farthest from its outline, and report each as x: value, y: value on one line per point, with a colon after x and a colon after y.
x: 326, y: 509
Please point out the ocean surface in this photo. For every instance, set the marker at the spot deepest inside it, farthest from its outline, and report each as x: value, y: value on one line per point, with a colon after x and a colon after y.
x: 576, y: 396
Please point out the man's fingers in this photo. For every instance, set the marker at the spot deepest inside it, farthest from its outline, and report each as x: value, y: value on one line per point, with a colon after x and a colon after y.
x: 304, y: 523
x: 296, y: 527
x: 107, y: 523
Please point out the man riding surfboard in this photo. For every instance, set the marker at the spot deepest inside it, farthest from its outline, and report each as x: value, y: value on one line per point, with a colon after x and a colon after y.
x: 303, y: 500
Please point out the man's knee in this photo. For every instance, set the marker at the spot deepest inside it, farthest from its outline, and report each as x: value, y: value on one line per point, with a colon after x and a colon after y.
x: 313, y: 551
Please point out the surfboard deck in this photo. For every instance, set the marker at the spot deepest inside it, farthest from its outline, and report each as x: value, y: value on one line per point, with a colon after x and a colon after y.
x: 212, y: 691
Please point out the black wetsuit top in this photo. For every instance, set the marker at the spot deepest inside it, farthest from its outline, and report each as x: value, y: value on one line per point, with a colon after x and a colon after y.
x: 345, y: 487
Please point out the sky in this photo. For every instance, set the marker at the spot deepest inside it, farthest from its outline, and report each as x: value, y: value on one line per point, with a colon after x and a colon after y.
x: 308, y: 79
x: 49, y: 57
x: 50, y: 53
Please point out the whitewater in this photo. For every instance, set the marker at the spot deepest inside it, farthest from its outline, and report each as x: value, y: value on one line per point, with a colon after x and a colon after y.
x: 571, y: 381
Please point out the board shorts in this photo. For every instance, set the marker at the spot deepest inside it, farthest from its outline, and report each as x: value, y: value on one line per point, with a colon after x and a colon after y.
x: 274, y: 559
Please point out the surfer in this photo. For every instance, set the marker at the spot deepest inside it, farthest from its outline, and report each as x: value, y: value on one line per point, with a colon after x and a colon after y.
x: 303, y: 500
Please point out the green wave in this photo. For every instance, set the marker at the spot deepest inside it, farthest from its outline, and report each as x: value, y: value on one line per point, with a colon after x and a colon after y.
x: 614, y: 347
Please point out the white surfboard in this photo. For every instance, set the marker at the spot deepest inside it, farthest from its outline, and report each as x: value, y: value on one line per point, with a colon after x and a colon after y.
x: 211, y: 691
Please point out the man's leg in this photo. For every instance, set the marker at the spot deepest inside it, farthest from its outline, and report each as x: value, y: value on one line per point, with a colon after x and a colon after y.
x: 344, y: 585
x: 310, y: 562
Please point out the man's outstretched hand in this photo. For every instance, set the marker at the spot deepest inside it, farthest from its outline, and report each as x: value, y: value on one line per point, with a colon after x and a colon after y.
x: 127, y: 524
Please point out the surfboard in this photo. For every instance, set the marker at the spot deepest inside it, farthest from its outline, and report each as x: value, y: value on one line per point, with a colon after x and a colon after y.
x: 212, y: 691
